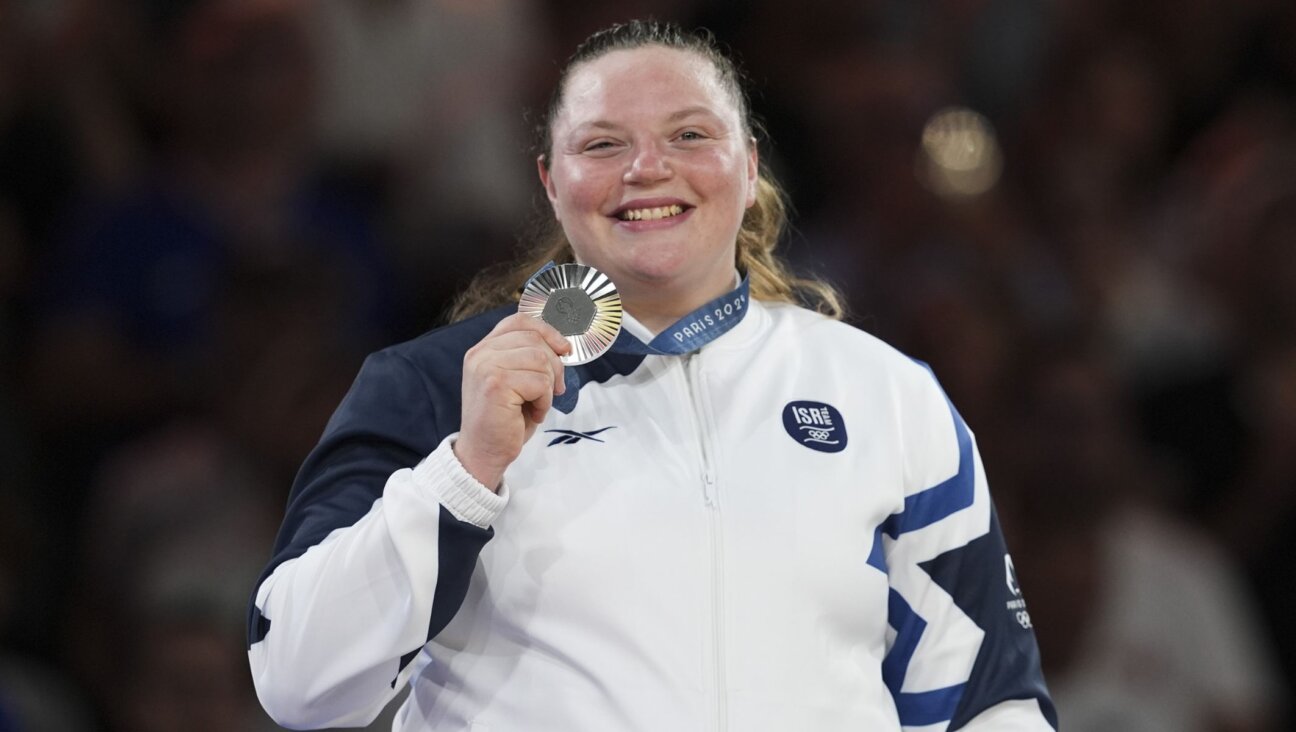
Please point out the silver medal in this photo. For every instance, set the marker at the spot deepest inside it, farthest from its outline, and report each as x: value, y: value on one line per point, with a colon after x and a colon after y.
x: 581, y: 303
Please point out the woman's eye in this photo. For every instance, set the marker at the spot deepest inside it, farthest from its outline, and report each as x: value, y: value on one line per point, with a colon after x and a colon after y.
x: 690, y: 135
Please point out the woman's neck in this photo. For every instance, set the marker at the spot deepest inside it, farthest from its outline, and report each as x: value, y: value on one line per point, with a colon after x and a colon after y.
x: 659, y: 310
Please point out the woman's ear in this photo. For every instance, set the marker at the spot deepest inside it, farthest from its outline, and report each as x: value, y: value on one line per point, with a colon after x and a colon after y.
x: 546, y: 180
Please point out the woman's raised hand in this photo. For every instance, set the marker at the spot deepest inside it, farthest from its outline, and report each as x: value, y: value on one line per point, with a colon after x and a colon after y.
x: 509, y: 381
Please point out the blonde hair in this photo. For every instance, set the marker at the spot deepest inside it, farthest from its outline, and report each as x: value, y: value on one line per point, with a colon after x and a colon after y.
x: 762, y: 226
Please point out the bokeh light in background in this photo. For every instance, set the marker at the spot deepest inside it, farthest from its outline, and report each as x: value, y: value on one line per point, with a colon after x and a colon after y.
x: 960, y: 155
x: 1079, y: 213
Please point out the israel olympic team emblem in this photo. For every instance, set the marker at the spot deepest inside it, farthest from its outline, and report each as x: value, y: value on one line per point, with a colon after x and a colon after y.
x: 816, y: 425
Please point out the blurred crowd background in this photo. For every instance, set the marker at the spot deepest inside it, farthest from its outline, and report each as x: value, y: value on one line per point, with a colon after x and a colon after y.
x: 212, y: 210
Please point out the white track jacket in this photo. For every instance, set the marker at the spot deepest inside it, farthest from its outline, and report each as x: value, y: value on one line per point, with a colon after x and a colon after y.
x: 786, y: 529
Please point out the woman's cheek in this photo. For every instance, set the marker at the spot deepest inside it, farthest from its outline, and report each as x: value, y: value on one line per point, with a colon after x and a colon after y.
x: 589, y: 185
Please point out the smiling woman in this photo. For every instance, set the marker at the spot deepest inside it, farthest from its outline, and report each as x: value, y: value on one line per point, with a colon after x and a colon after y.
x: 650, y: 173
x: 696, y: 65
x: 745, y: 515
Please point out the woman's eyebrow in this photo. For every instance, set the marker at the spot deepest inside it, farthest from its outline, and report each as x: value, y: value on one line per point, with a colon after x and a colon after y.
x: 599, y: 124
x: 690, y: 112
x: 676, y: 116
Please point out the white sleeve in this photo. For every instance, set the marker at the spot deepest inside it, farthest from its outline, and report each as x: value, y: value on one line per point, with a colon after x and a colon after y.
x: 342, y: 620
x: 963, y: 655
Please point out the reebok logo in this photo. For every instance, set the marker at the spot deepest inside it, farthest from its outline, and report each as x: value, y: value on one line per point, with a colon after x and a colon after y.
x: 571, y: 437
x: 816, y: 425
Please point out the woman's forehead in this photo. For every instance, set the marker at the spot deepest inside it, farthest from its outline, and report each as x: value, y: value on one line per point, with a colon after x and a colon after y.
x: 630, y: 79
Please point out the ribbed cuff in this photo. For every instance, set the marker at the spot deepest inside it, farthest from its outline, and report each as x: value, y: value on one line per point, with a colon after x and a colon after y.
x: 463, y: 495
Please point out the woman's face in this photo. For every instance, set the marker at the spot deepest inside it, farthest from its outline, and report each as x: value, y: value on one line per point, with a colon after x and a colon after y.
x: 650, y: 175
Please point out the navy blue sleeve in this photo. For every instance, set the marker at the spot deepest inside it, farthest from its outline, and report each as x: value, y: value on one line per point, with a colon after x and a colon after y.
x: 980, y: 578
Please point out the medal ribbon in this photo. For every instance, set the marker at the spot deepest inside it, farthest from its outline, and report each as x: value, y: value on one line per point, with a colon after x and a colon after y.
x: 694, y: 330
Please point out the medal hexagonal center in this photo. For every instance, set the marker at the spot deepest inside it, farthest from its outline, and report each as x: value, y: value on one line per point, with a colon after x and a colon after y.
x: 569, y: 310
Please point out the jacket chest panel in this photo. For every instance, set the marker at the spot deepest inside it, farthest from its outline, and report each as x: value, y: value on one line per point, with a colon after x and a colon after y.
x: 617, y: 487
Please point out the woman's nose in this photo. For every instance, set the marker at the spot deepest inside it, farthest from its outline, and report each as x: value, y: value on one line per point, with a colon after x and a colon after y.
x: 648, y: 165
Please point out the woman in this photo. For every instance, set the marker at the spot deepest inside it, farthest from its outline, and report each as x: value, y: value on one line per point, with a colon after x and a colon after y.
x: 746, y: 516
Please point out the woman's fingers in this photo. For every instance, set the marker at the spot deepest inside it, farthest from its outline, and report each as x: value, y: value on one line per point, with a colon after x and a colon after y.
x: 509, y: 380
x: 523, y: 331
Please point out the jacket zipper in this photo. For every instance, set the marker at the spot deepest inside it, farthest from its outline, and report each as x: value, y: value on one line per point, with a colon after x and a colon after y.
x: 710, y: 488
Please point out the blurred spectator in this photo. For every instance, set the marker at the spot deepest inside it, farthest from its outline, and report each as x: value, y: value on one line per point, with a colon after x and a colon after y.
x: 127, y: 306
x: 178, y: 520
x: 1144, y: 624
x: 422, y: 103
x: 177, y: 535
x: 433, y: 90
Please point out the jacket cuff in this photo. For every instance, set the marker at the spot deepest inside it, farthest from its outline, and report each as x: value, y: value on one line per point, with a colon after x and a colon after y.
x: 462, y: 495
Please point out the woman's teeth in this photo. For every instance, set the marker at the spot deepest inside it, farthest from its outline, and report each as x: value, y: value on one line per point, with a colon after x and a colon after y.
x: 651, y: 214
